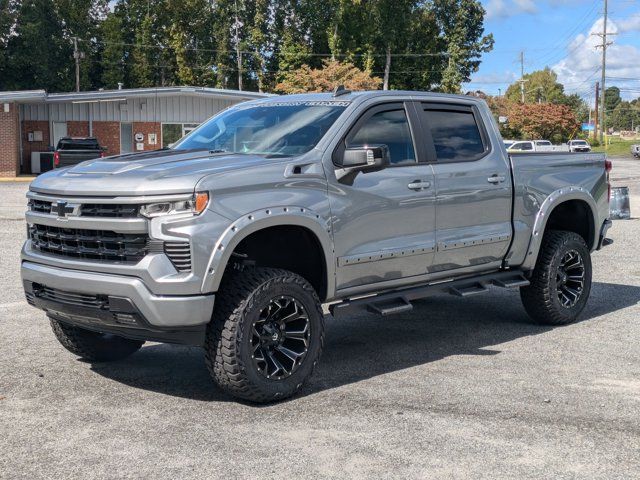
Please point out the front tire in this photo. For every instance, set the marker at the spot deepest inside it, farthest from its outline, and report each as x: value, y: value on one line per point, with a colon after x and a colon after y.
x: 561, y: 281
x: 266, y: 334
x: 93, y: 346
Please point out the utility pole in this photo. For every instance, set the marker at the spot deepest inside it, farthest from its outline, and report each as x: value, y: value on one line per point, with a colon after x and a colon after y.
x: 595, y: 113
x: 604, y: 45
x: 238, y: 52
x: 77, y: 55
x: 522, y: 81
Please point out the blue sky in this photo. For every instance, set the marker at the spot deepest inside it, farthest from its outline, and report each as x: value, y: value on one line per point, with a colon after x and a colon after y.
x: 557, y: 33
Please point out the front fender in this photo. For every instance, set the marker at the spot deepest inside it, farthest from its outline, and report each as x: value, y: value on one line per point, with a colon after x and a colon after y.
x: 265, y: 218
x: 550, y: 203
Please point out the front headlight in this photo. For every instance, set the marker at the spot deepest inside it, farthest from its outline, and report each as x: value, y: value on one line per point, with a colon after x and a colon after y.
x: 194, y: 205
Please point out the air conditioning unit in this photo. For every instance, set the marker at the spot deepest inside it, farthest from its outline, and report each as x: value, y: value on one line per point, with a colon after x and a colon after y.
x: 41, y: 162
x: 35, y: 162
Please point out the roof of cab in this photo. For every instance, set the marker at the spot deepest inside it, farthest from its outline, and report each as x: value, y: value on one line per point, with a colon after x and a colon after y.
x: 363, y: 95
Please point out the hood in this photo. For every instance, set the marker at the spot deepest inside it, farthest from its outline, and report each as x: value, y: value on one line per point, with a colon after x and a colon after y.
x: 147, y: 173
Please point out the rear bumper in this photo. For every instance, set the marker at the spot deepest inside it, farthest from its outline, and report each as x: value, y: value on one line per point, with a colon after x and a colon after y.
x: 116, y: 304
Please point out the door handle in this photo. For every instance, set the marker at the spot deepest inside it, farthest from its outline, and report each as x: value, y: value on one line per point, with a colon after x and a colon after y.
x: 496, y: 179
x: 419, y: 185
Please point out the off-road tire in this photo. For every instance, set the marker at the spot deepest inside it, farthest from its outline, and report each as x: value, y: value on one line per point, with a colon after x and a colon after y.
x: 540, y: 298
x: 93, y: 346
x: 242, y: 295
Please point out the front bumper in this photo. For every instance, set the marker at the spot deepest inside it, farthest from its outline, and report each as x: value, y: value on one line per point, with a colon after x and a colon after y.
x: 116, y: 304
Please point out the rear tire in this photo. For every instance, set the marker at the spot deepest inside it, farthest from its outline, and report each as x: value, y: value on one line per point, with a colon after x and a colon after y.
x: 93, y: 346
x: 561, y: 281
x: 266, y: 334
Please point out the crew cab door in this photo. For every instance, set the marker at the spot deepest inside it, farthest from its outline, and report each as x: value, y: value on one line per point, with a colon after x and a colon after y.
x: 384, y: 221
x: 473, y: 188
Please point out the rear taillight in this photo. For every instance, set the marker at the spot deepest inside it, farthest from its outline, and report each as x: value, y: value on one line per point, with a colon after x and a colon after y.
x: 608, y: 165
x: 56, y: 159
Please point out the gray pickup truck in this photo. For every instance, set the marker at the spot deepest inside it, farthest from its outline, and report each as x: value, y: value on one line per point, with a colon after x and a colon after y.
x: 233, y: 238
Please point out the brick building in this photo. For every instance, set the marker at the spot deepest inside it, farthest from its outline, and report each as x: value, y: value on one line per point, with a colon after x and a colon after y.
x: 124, y: 120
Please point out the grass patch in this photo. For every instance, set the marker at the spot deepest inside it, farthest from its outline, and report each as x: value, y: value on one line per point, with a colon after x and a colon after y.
x: 617, y: 147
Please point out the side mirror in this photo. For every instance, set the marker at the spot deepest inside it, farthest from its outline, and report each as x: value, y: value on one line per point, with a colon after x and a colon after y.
x: 367, y: 158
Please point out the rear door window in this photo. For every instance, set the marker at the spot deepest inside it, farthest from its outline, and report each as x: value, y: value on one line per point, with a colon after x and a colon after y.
x: 456, y: 134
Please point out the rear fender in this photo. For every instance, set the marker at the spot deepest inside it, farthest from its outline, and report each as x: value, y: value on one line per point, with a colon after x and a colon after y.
x: 546, y: 208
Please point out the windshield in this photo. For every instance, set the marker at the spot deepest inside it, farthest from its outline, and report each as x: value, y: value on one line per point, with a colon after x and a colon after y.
x: 579, y: 142
x: 282, y: 129
x: 543, y: 143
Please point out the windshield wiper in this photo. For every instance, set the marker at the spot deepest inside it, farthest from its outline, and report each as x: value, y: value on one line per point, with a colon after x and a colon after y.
x: 218, y: 150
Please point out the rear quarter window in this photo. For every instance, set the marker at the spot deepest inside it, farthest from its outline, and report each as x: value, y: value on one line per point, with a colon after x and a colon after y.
x: 456, y: 135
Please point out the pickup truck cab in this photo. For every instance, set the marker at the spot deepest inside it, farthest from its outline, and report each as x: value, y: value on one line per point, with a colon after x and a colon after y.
x: 579, y: 146
x: 73, y: 150
x: 233, y: 238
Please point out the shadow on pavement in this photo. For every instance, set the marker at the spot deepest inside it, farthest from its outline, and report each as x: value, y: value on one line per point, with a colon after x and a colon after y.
x: 364, y: 346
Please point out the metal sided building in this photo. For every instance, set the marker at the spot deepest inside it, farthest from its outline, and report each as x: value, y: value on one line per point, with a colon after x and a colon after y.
x: 125, y: 120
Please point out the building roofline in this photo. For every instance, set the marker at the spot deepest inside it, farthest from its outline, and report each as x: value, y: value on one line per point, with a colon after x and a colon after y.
x: 23, y: 95
x: 37, y: 96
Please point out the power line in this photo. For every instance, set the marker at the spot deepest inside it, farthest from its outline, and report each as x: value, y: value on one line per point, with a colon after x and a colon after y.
x: 604, y: 46
x: 243, y: 52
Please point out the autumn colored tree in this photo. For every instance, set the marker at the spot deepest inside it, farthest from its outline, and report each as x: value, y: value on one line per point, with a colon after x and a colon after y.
x: 543, y: 120
x: 325, y: 79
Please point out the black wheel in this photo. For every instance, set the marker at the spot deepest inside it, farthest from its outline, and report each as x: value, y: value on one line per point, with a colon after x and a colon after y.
x: 93, y: 346
x: 561, y: 280
x: 266, y: 334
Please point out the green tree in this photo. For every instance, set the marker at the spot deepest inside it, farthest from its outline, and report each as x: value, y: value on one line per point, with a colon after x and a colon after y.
x: 37, y: 55
x: 461, y: 24
x: 114, y: 52
x: 625, y: 116
x: 540, y: 86
x: 7, y: 20
x: 612, y: 98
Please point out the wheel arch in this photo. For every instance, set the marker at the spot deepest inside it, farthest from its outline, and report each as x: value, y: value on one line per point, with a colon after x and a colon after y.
x: 272, y: 220
x: 572, y: 209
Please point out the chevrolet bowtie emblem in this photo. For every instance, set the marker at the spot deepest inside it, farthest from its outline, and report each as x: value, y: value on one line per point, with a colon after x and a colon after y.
x: 63, y: 208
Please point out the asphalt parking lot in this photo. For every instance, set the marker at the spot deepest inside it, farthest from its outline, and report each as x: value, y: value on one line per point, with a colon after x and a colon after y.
x: 455, y: 389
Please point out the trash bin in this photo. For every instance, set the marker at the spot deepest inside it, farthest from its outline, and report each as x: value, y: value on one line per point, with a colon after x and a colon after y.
x: 619, y: 207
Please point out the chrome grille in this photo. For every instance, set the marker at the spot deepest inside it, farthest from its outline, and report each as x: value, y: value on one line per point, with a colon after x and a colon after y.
x: 89, y: 244
x: 40, y: 206
x: 109, y: 210
x: 103, y: 210
x: 180, y: 255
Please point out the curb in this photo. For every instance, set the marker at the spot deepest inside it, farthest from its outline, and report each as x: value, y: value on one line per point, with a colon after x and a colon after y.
x: 16, y: 179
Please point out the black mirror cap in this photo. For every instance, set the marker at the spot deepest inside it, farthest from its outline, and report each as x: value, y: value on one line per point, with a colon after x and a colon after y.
x: 366, y: 158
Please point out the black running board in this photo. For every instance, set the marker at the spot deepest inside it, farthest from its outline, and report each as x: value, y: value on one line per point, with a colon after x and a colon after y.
x: 399, y: 301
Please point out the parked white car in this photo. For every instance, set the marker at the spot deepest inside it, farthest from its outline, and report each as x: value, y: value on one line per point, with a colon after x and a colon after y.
x: 536, y: 146
x: 579, y: 146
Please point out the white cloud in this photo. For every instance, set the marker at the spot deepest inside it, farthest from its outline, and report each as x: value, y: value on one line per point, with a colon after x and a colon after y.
x: 580, y: 69
x: 494, y: 78
x: 527, y: 6
x: 499, y: 9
